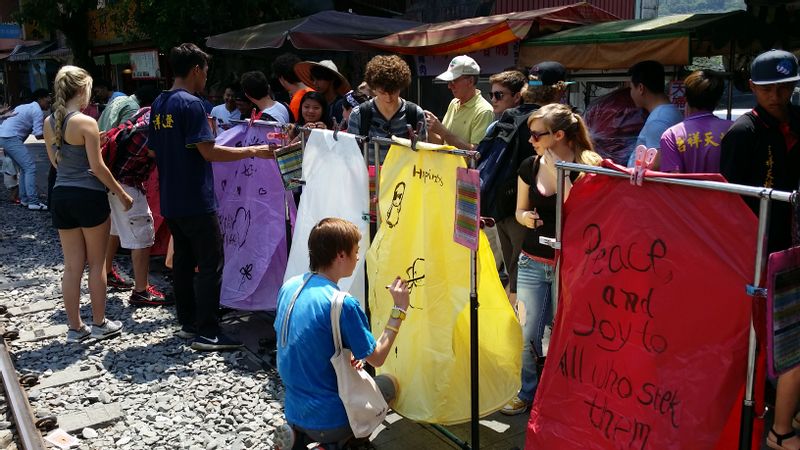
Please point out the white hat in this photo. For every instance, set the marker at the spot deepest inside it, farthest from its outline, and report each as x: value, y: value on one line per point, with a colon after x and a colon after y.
x: 460, y: 65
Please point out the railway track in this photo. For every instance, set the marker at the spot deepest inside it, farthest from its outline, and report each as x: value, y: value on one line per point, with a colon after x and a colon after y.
x: 26, y: 426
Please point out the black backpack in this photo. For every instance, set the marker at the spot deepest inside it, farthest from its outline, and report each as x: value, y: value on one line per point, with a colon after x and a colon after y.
x: 365, y: 109
x: 502, y: 151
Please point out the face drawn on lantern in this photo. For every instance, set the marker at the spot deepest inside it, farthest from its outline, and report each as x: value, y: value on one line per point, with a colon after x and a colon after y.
x: 393, y: 215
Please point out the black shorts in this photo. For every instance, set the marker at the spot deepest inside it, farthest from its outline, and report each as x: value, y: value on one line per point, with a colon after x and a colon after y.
x: 74, y: 207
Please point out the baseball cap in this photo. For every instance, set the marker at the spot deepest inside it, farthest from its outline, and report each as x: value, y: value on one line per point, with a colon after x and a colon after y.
x: 548, y: 73
x: 774, y: 66
x: 460, y: 65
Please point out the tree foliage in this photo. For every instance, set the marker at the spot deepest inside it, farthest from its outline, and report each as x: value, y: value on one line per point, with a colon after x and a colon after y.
x: 170, y: 22
x: 165, y: 22
x: 68, y: 16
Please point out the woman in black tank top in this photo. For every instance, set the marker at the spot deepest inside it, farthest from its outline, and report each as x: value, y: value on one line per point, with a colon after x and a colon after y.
x: 557, y: 134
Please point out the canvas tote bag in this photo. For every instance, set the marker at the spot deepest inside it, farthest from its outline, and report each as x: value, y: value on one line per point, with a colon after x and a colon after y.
x: 362, y: 399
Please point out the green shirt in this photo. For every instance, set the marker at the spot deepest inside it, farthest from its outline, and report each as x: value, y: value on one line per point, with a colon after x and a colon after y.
x: 470, y: 120
x: 120, y: 110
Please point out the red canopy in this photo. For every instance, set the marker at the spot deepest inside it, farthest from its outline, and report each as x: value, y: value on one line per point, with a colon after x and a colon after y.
x: 478, y: 33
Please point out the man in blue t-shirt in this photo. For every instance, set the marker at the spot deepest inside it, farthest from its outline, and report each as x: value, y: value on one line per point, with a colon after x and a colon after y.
x: 647, y: 92
x: 305, y: 340
x: 182, y: 140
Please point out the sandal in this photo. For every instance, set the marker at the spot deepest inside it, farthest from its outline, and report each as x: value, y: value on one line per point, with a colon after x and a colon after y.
x: 777, y: 444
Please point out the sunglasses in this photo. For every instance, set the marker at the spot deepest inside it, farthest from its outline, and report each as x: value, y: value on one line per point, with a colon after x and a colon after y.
x: 536, y: 135
x: 497, y: 95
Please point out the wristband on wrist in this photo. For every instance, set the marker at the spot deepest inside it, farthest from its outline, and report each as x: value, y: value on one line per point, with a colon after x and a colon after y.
x: 398, y: 313
x: 395, y: 329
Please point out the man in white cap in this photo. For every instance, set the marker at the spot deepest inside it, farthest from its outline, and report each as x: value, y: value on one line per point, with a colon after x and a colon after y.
x: 468, y: 115
x: 762, y: 148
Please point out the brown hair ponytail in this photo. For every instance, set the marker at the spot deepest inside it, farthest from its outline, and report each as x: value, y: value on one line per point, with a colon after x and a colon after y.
x: 557, y: 116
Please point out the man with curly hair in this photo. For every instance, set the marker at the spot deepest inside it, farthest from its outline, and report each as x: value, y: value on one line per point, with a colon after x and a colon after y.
x: 387, y: 114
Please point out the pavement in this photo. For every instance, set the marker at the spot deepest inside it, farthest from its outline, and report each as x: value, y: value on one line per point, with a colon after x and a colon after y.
x: 497, y: 431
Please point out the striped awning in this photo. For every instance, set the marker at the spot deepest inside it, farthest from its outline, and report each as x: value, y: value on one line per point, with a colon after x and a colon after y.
x: 479, y: 33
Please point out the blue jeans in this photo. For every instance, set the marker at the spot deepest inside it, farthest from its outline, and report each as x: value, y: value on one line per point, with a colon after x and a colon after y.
x: 535, y: 291
x: 14, y: 148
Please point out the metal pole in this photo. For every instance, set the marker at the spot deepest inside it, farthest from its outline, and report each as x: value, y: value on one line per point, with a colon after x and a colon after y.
x: 29, y: 436
x: 473, y: 340
x: 730, y: 79
x: 376, y: 150
x: 456, y: 440
x: 748, y: 406
x: 749, y: 191
x: 561, y: 177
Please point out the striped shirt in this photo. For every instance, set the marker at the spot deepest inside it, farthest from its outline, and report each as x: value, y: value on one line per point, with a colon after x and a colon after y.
x: 380, y: 127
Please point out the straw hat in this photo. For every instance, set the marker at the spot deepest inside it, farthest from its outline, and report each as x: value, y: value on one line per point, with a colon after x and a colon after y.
x: 303, y: 71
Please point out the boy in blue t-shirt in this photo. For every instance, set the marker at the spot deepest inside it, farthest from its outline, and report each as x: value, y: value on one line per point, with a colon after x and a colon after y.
x: 313, y: 408
x: 183, y: 142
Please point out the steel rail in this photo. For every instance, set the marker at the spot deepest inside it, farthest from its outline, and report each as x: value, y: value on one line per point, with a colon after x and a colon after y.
x: 28, y: 434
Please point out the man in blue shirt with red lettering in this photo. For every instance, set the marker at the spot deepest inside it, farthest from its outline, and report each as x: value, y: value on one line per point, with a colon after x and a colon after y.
x: 183, y: 142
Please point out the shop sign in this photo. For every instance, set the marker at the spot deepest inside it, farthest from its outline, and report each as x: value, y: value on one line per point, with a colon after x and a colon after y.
x: 144, y: 65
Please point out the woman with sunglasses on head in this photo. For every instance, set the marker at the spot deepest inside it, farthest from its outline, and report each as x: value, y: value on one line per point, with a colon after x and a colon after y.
x: 557, y: 134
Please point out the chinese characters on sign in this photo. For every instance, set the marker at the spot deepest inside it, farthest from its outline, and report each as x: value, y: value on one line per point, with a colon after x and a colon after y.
x: 144, y: 65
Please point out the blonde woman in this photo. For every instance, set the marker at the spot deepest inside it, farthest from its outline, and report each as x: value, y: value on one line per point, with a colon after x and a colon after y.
x: 79, y: 203
x: 556, y: 134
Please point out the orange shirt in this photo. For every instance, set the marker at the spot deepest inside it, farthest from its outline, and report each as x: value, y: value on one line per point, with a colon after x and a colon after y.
x: 295, y: 103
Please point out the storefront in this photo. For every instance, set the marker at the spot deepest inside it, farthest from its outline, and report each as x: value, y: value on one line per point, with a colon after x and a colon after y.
x: 126, y: 65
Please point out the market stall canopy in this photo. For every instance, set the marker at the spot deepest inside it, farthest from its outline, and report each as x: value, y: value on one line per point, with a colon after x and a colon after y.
x: 325, y: 30
x: 478, y: 33
x: 671, y: 40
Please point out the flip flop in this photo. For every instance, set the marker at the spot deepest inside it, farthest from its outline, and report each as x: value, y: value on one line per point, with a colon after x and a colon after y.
x: 777, y: 443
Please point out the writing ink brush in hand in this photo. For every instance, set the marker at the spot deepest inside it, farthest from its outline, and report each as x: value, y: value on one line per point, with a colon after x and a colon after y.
x: 408, y: 281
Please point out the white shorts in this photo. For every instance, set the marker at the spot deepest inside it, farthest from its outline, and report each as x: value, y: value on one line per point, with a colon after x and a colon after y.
x: 134, y: 226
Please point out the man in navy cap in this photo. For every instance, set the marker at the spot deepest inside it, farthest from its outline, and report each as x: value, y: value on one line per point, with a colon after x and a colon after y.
x: 762, y: 148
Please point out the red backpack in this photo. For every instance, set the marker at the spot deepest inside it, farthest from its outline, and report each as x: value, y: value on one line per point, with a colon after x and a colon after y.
x: 119, y: 136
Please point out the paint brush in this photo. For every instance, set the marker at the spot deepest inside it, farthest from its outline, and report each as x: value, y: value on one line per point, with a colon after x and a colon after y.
x: 409, y: 281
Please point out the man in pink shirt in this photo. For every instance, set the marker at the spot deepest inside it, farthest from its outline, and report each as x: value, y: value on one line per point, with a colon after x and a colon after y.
x: 693, y: 146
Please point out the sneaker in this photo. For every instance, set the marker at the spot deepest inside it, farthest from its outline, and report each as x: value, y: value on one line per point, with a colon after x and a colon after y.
x: 37, y: 206
x: 74, y: 336
x: 109, y: 328
x: 117, y: 281
x: 149, y: 297
x: 284, y: 437
x: 218, y: 342
x: 23, y: 204
x: 186, y: 332
x: 515, y: 406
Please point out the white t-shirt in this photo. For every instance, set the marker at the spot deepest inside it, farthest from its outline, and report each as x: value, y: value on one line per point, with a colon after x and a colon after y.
x: 222, y: 115
x: 278, y: 111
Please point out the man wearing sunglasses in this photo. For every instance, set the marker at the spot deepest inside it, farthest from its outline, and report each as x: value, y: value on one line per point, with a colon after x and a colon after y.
x: 468, y: 115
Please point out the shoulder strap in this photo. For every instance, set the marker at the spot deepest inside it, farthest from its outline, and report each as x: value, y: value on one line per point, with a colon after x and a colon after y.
x: 365, y: 109
x: 336, y: 312
x: 412, y: 111
x: 285, y: 326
